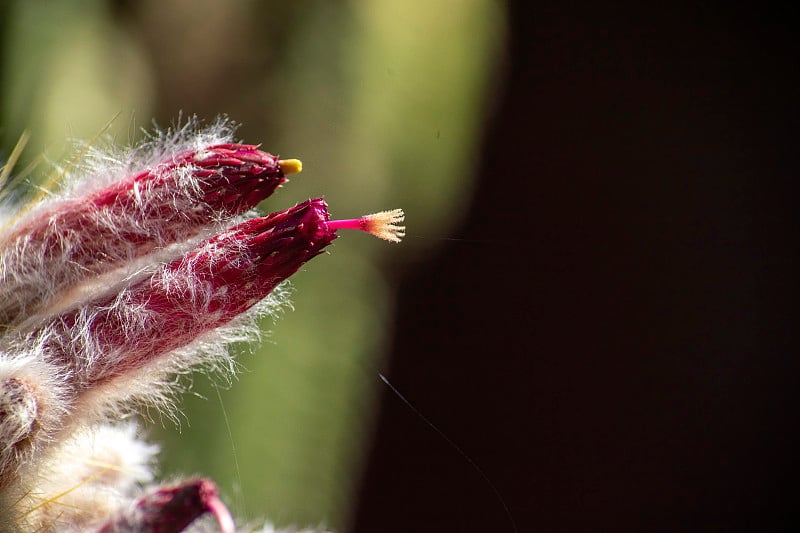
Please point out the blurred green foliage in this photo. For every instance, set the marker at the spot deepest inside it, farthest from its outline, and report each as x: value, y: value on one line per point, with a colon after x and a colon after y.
x: 383, y: 100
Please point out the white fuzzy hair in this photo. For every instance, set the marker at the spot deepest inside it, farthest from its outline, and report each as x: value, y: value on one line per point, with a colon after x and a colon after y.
x: 89, y: 475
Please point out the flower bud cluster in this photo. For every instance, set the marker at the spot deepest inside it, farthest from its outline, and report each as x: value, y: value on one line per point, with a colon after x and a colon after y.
x: 130, y: 274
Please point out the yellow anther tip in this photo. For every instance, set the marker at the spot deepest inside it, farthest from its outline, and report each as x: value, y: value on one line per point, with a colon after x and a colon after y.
x: 290, y: 166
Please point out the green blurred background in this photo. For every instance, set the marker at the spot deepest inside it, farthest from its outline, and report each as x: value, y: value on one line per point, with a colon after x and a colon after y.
x: 383, y: 100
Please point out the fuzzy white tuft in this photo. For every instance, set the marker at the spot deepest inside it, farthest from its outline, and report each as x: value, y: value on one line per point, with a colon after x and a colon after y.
x: 90, y: 475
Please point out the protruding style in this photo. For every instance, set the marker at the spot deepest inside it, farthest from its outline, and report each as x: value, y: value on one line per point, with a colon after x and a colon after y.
x: 384, y: 225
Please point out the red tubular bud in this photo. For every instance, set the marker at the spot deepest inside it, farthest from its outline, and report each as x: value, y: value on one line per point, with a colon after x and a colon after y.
x: 204, y: 290
x: 157, y: 207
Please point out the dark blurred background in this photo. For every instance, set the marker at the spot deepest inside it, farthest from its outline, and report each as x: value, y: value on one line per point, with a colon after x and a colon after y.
x: 595, y: 300
x: 611, y: 335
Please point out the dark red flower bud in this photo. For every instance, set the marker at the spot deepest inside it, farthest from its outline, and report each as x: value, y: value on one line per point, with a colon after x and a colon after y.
x: 206, y: 289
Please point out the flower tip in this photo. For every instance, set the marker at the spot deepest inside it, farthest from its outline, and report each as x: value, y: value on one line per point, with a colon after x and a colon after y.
x: 384, y: 225
x: 290, y: 166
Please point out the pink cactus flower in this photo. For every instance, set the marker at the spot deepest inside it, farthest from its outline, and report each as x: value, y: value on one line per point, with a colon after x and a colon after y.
x: 123, y: 278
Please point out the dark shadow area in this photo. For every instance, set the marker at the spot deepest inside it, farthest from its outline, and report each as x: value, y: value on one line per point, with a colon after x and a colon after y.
x: 613, y: 340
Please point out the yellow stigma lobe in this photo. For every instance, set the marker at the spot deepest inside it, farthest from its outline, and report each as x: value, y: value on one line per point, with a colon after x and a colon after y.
x: 290, y: 166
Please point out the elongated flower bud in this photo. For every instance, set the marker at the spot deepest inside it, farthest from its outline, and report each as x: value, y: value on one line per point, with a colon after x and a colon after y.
x: 51, y: 250
x: 206, y: 289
